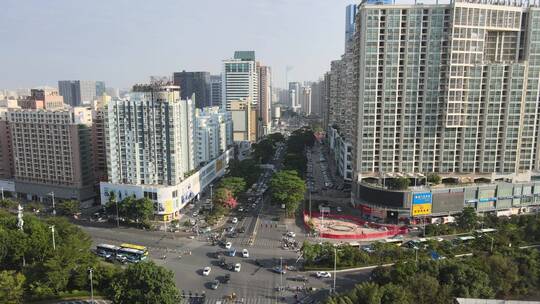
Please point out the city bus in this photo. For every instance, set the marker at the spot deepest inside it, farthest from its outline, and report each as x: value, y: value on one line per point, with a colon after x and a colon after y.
x: 131, y: 255
x: 136, y: 247
x: 107, y: 251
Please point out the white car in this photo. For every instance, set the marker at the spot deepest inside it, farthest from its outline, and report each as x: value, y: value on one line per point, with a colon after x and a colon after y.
x: 240, y: 209
x: 206, y: 271
x: 291, y: 234
x: 237, y: 267
x: 323, y: 274
x: 228, y: 245
x: 245, y: 253
x: 195, y: 214
x: 234, y: 220
x: 339, y: 209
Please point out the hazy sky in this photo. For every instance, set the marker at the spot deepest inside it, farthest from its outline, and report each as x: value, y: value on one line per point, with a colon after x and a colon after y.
x: 126, y: 41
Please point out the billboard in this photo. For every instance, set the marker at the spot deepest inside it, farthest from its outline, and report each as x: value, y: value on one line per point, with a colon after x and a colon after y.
x: 421, y: 203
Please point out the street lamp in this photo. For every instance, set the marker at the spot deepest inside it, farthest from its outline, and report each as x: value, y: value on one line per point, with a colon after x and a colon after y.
x: 492, y: 239
x: 53, y: 206
x: 90, y: 270
x: 53, y: 241
x: 211, y: 197
x: 335, y: 266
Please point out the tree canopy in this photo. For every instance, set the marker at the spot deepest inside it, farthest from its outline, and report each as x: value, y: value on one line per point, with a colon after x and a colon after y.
x: 236, y: 185
x: 289, y: 189
x: 144, y: 283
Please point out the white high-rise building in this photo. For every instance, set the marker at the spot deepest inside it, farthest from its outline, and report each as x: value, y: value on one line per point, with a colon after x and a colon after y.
x: 213, y: 133
x: 150, y: 148
x: 149, y: 137
x: 240, y: 79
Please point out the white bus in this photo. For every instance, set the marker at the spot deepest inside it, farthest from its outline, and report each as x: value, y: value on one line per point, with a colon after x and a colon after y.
x: 107, y: 251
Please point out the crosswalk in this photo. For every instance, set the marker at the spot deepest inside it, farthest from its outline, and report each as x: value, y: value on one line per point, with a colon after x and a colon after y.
x: 251, y: 300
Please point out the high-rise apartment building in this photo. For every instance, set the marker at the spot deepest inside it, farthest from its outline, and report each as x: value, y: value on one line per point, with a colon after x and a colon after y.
x: 215, y: 90
x: 78, y: 92
x: 52, y: 153
x: 240, y: 79
x: 197, y: 83
x: 148, y: 137
x: 151, y: 150
x: 447, y: 88
x: 265, y: 101
x: 213, y: 134
x: 98, y: 137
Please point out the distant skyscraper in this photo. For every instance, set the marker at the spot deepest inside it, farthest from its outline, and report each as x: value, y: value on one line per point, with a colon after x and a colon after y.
x: 240, y: 79
x: 350, y: 15
x: 265, y: 100
x: 305, y: 100
x: 113, y: 92
x: 294, y: 95
x: 78, y: 92
x: 215, y: 90
x: 197, y: 83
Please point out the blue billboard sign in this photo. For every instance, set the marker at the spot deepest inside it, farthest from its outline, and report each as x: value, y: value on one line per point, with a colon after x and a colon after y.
x: 422, y: 198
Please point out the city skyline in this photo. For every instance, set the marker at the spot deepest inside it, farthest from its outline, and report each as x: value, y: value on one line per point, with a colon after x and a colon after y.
x: 109, y: 44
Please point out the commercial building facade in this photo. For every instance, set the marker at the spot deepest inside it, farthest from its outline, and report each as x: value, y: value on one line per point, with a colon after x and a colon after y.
x: 52, y: 153
x: 197, y: 83
x: 240, y: 79
x: 78, y: 92
x: 215, y: 90
x: 244, y: 118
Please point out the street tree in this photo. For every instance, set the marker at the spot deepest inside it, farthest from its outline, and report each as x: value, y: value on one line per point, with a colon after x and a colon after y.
x: 144, y: 282
x: 68, y: 207
x: 289, y: 189
x: 248, y: 169
x: 467, y: 219
x: 263, y: 150
x: 236, y: 185
x: 11, y: 287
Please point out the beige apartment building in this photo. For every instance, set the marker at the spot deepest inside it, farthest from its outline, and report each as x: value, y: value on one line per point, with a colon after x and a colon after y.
x: 52, y: 153
x: 244, y: 117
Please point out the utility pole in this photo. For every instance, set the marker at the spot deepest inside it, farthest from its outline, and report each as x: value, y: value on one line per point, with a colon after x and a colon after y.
x: 211, y: 197
x: 91, y: 286
x: 53, y: 206
x: 3, y: 193
x: 20, y: 225
x: 117, y: 215
x: 309, y: 204
x: 53, y: 242
x: 416, y: 255
x: 280, y: 275
x: 335, y: 266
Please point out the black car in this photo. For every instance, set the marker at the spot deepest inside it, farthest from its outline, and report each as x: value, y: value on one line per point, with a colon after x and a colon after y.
x: 242, y: 229
x: 215, y: 284
x: 226, y: 278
